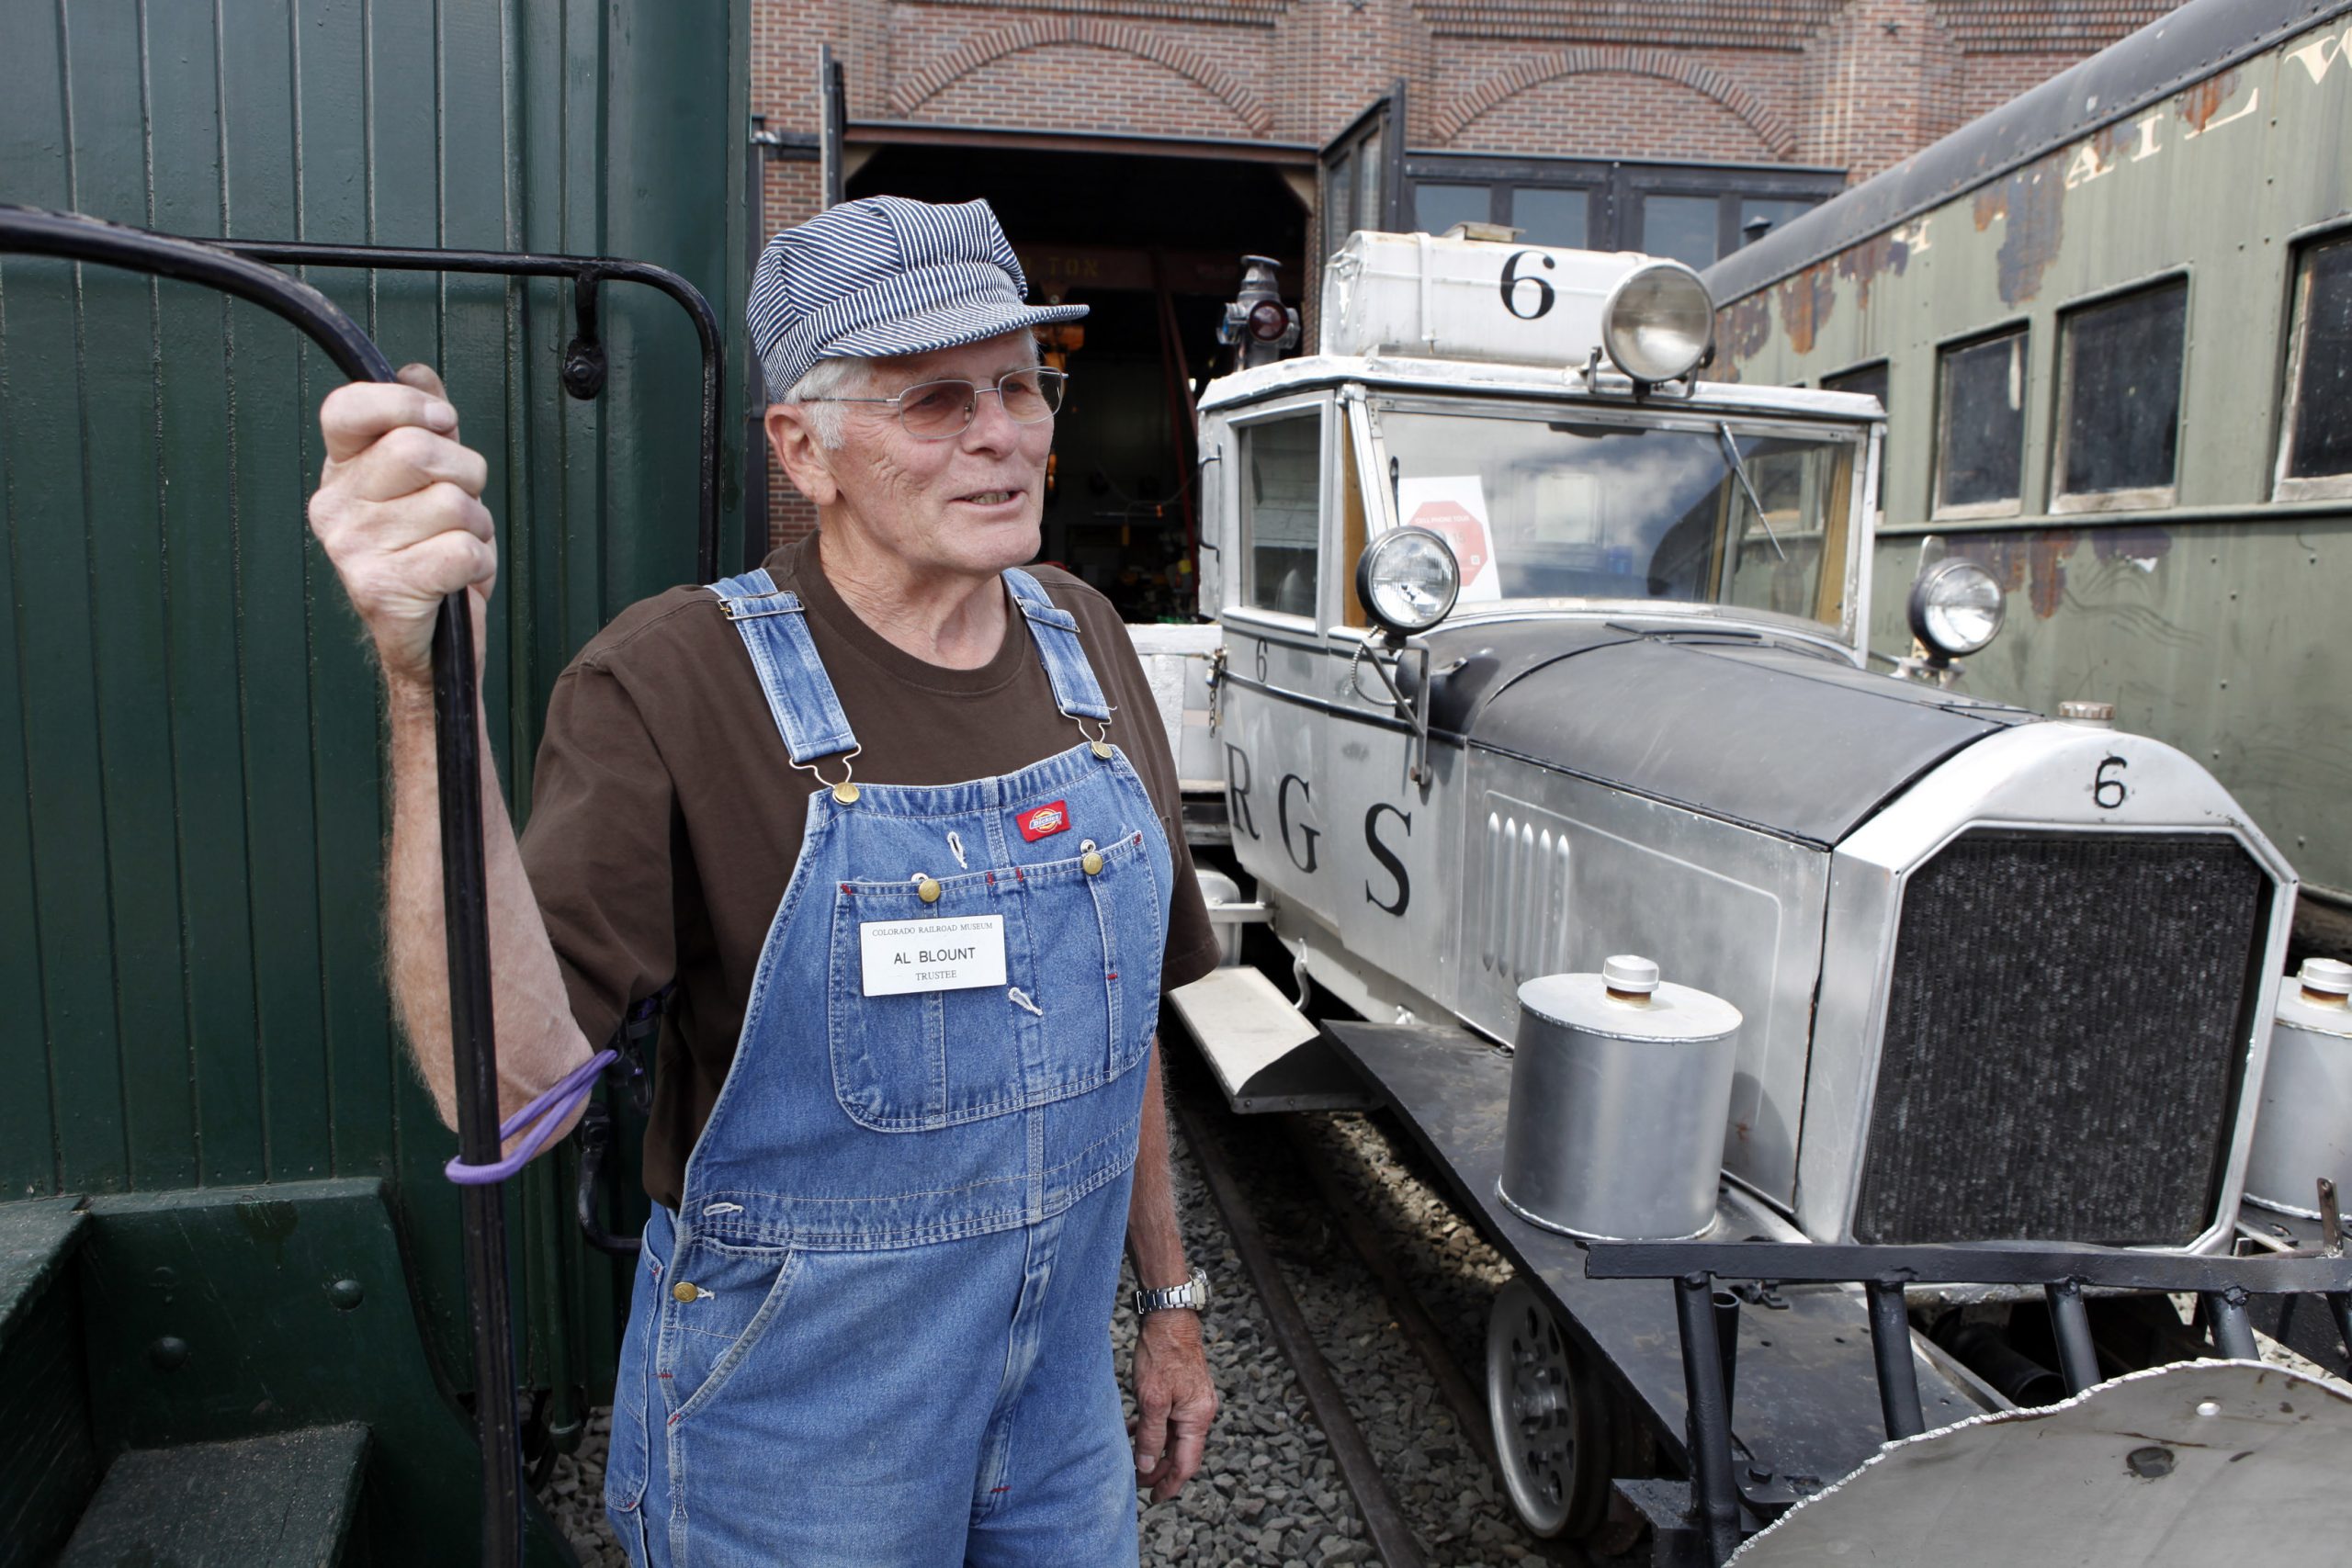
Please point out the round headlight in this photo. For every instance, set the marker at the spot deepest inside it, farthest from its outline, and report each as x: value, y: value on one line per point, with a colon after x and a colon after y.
x: 1956, y: 608
x: 1658, y: 324
x: 1407, y: 578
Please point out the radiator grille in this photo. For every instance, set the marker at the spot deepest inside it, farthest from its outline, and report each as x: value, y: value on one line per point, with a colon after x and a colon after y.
x: 2062, y: 1042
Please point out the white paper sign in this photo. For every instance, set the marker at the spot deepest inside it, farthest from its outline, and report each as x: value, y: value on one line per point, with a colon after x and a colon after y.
x: 903, y: 956
x: 1454, y: 506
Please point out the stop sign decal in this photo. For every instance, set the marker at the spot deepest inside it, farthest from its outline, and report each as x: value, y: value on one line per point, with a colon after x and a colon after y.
x: 1455, y: 522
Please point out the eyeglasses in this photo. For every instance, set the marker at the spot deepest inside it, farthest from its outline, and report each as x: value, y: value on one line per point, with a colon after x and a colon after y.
x: 936, y: 410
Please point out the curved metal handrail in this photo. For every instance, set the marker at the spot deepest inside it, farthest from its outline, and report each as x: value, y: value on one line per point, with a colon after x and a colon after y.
x: 585, y: 271
x: 73, y: 237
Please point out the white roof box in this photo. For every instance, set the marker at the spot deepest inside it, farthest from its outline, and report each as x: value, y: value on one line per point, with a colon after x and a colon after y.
x: 1498, y: 302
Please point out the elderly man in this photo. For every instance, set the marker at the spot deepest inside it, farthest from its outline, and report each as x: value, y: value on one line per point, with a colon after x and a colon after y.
x: 896, y: 818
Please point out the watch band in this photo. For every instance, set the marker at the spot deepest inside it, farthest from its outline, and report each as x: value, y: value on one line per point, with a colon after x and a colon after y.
x: 1191, y: 1295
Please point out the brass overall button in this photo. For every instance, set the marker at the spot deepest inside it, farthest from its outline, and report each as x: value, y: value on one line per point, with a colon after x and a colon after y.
x: 845, y: 792
x: 1102, y: 750
x: 1091, y: 862
x: 929, y: 890
x: 684, y: 1290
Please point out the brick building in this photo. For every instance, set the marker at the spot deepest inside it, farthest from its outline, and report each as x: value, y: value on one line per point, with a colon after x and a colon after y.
x: 1137, y: 149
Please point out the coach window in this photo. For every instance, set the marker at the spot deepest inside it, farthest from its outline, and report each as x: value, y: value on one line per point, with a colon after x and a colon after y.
x: 1870, y: 380
x: 2118, y: 401
x: 2315, y: 451
x: 1281, y: 470
x: 1980, y: 426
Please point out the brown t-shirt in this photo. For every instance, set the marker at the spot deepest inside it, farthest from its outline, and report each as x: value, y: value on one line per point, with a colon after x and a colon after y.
x: 666, y: 817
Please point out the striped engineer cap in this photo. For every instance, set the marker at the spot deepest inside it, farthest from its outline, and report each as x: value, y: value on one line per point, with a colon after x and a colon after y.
x: 883, y: 275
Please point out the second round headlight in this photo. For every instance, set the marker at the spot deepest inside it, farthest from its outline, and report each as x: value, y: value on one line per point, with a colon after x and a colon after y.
x: 1658, y: 324
x: 1409, y: 579
x: 1956, y: 608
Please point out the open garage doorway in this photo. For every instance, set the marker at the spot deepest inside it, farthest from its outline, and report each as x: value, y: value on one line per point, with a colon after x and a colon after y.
x: 1152, y: 241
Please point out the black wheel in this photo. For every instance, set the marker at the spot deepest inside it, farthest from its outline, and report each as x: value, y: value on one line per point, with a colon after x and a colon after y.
x: 1550, y: 1418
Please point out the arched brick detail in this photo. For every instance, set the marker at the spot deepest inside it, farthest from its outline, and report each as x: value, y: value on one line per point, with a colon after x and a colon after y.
x: 1540, y: 68
x: 1195, y: 65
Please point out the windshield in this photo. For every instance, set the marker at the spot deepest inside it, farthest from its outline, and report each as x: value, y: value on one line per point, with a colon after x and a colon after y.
x: 1547, y: 508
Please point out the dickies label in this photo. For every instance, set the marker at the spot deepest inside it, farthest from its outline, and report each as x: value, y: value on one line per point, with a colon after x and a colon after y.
x: 1043, y: 821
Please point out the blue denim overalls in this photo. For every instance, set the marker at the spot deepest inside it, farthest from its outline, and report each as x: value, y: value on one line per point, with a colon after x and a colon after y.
x: 877, y: 1329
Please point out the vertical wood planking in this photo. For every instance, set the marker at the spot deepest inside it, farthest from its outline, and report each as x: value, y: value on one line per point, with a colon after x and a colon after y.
x: 129, y: 651
x: 333, y: 118
x: 263, y: 145
x: 189, y: 852
x: 194, y: 432
x: 32, y: 133
x: 63, y: 778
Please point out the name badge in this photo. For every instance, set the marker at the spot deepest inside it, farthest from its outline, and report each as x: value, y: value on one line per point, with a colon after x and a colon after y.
x: 903, y: 956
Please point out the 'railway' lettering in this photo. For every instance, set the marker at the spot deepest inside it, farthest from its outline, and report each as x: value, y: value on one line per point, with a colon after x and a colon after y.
x: 2253, y: 102
x: 1388, y: 857
x: 1281, y: 818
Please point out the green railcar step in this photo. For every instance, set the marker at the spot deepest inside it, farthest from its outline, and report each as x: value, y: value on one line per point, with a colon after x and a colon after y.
x: 283, y: 1501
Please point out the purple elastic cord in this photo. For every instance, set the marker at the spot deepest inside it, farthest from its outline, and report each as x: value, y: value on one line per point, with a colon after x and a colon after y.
x: 549, y: 1111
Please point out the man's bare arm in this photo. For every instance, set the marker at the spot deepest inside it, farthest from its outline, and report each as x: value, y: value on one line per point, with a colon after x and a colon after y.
x: 399, y: 512
x: 537, y: 1040
x: 1175, y: 1399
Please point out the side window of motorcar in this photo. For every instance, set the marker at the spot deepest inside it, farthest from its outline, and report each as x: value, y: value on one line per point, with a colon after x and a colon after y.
x: 1282, y: 468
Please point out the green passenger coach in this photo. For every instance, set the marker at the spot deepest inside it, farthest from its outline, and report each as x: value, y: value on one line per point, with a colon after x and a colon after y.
x: 2112, y: 325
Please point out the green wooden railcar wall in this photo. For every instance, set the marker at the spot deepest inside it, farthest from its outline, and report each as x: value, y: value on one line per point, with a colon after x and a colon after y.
x: 190, y: 809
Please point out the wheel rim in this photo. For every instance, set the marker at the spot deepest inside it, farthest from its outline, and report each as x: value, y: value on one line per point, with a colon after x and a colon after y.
x: 1532, y: 1402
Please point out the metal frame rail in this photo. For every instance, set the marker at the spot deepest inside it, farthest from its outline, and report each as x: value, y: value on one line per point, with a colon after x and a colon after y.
x: 248, y: 270
x: 584, y: 358
x: 2222, y: 1284
x: 584, y: 375
x: 74, y: 238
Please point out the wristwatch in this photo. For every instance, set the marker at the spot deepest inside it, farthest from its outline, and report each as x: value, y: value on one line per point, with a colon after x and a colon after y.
x: 1191, y: 1295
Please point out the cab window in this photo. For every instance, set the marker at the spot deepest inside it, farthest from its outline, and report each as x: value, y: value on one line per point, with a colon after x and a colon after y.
x: 1706, y: 511
x: 1980, y: 426
x: 1282, y: 468
x: 2315, y: 454
x: 2118, y: 399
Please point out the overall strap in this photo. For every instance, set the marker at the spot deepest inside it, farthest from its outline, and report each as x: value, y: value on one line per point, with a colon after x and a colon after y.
x: 1076, y: 691
x: 775, y: 631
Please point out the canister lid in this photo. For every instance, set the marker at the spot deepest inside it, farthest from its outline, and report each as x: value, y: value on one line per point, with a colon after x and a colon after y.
x: 2332, y: 976
x: 2329, y: 976
x: 1626, y: 973
x: 1673, y: 1013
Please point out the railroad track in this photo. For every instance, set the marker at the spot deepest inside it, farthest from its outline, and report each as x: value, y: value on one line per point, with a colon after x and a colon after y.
x: 1279, y: 1163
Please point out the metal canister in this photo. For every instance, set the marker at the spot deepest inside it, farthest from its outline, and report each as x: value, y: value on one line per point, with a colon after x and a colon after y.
x: 1620, y: 1088
x: 2304, y: 1129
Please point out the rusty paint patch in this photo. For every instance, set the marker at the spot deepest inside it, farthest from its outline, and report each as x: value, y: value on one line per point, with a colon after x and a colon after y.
x: 1747, y: 327
x: 1864, y: 263
x: 1806, y: 301
x: 2033, y: 203
x: 2198, y: 105
x: 2142, y: 545
x: 2036, y: 564
x: 2050, y: 551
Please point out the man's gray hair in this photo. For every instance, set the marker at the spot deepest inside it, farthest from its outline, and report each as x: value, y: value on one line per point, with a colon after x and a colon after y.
x: 844, y: 377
